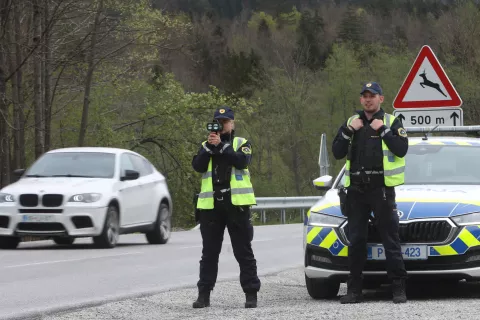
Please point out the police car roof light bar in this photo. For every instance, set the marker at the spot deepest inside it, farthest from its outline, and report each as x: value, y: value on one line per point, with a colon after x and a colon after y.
x: 427, y: 130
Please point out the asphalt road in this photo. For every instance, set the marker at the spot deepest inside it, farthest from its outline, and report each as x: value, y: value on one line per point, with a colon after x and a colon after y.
x: 43, y: 277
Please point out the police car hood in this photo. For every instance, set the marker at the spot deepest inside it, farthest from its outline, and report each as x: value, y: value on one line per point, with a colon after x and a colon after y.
x: 420, y: 201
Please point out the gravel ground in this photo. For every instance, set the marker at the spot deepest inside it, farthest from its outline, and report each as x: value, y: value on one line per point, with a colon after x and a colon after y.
x: 284, y: 296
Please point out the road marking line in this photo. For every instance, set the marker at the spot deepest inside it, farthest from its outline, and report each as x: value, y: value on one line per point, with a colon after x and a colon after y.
x: 70, y: 260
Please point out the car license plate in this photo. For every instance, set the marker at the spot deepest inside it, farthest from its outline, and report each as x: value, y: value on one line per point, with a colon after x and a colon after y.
x: 409, y: 252
x: 38, y: 218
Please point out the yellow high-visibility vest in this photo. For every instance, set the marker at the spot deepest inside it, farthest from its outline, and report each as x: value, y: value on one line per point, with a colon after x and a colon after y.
x: 240, y: 184
x: 393, y: 166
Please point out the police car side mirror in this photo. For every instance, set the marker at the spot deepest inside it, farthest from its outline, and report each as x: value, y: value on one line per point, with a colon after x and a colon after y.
x: 323, y: 183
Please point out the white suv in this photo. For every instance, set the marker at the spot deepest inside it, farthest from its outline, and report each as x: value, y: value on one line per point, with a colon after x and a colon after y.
x: 86, y: 192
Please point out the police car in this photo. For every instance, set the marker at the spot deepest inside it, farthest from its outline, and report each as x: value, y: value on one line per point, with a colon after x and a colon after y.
x: 439, y: 213
x: 86, y: 192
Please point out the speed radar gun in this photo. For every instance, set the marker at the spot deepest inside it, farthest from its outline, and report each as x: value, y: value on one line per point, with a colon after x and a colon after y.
x: 214, y: 126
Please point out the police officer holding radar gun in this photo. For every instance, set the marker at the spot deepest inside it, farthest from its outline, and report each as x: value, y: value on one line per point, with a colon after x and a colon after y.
x: 375, y: 144
x: 224, y: 201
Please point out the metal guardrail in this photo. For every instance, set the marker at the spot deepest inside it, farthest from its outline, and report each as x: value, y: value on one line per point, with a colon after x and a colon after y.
x: 283, y: 203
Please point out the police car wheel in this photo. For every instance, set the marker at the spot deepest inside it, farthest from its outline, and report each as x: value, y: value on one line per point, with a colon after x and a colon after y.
x: 322, y: 288
x: 9, y: 242
x: 162, y: 228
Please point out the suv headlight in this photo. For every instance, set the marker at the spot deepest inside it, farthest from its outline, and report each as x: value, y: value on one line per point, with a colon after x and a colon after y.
x: 467, y: 219
x: 6, y: 197
x: 85, y: 197
x: 324, y: 220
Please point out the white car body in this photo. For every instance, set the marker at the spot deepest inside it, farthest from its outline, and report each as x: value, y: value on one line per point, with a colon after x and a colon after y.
x: 57, y: 214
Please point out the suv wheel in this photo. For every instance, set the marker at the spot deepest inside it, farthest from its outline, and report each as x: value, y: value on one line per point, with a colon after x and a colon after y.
x: 111, y: 230
x: 163, y: 226
x: 8, y: 242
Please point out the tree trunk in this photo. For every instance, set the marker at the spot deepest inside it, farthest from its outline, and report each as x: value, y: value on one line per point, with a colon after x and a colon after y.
x: 19, y: 114
x: 16, y: 107
x: 46, y: 77
x: 269, y: 158
x: 88, y: 81
x: 37, y: 75
x: 4, y: 139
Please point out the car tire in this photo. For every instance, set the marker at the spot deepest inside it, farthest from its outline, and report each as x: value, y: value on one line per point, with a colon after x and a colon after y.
x: 322, y: 288
x: 111, y: 230
x: 162, y: 228
x: 9, y: 242
x: 65, y: 241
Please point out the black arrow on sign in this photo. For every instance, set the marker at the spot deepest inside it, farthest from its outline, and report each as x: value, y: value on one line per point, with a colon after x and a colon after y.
x: 455, y: 116
x: 401, y: 117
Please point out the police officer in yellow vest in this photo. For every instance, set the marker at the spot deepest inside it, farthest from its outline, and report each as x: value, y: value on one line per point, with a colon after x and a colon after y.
x: 375, y: 144
x: 225, y: 198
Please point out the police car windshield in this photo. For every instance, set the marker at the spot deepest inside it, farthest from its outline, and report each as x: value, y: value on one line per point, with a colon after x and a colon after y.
x: 74, y: 164
x: 442, y: 164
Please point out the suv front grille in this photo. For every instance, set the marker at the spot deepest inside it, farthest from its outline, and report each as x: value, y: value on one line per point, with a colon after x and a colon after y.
x: 414, y: 232
x: 29, y: 200
x: 47, y: 200
x: 52, y: 200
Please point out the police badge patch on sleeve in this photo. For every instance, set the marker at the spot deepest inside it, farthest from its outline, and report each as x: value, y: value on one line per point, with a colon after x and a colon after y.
x: 246, y: 150
x: 402, y: 132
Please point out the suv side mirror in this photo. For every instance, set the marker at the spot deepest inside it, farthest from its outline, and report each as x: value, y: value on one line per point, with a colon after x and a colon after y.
x: 323, y: 183
x: 18, y: 172
x: 130, y: 175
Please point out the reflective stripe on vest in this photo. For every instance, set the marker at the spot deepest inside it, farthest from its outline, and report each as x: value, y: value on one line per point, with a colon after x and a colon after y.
x: 393, y: 166
x: 241, y: 187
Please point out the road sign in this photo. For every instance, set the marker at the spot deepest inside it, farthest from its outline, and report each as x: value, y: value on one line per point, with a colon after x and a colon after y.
x: 430, y: 117
x: 427, y: 85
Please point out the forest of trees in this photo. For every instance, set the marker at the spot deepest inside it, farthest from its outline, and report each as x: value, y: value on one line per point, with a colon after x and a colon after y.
x: 146, y: 75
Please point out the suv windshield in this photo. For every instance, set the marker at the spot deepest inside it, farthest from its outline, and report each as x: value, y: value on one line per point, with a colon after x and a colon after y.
x: 441, y: 164
x: 74, y: 164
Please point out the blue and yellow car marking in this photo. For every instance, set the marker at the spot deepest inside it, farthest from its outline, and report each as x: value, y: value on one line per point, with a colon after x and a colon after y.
x: 467, y: 238
x: 414, y: 208
x: 444, y: 143
x: 326, y: 237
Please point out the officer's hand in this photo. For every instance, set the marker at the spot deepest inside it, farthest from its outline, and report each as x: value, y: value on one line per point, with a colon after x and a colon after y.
x: 376, y: 124
x: 214, y: 138
x: 357, y: 124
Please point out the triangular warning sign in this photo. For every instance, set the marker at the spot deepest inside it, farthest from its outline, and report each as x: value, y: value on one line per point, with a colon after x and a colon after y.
x: 427, y: 85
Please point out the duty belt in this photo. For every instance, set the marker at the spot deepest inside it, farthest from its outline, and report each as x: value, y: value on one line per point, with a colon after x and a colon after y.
x: 220, y: 193
x: 367, y: 172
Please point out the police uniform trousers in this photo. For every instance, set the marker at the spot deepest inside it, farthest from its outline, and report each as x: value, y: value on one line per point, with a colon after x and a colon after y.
x: 361, y: 203
x: 212, y: 227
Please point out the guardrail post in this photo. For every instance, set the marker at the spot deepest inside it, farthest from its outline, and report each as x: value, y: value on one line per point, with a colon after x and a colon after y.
x: 283, y: 216
x: 303, y: 215
x: 264, y: 217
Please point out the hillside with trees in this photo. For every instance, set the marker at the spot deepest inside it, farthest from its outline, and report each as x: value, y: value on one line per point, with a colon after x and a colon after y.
x: 146, y: 75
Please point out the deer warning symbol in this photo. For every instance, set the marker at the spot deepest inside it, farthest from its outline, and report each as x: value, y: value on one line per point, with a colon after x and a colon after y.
x: 429, y: 83
x: 426, y: 72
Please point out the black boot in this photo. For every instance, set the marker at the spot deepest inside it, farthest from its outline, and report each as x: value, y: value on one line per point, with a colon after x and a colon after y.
x: 354, y: 291
x: 203, y: 300
x: 251, y: 300
x: 398, y: 291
